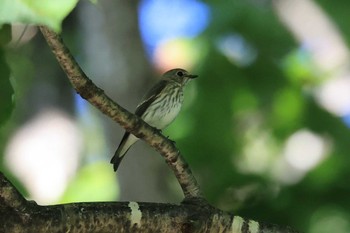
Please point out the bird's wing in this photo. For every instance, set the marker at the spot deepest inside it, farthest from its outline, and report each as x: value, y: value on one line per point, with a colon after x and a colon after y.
x: 150, y: 96
x: 129, y: 139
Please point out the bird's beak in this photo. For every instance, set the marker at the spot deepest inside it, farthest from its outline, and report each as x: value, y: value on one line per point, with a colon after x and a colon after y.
x: 192, y: 76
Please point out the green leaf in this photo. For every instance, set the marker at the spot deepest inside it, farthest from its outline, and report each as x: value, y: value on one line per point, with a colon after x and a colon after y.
x: 6, y: 90
x: 49, y: 13
x: 93, y: 182
x: 5, y: 34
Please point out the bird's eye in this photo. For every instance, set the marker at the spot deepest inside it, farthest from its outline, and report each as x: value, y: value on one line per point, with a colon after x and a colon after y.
x: 180, y: 73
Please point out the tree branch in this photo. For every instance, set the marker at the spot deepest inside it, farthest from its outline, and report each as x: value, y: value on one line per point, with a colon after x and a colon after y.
x: 96, y: 96
x: 20, y: 215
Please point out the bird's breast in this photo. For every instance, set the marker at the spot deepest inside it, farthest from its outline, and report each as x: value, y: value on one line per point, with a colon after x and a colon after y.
x: 164, y: 110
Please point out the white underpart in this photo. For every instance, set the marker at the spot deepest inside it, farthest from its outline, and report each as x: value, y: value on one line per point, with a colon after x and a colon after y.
x: 136, y: 214
x: 237, y: 224
x: 163, y: 120
x: 165, y: 113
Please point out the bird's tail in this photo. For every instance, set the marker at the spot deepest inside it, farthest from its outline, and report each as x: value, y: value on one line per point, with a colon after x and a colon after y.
x: 125, y: 144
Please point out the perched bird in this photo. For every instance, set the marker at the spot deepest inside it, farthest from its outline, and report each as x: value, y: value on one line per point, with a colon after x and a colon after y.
x: 158, y: 107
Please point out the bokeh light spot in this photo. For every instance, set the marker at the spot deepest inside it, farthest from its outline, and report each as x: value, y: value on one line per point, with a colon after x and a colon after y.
x: 161, y: 20
x: 304, y: 150
x: 236, y: 49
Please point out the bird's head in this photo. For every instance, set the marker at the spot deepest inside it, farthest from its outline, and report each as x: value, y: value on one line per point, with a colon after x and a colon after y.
x: 180, y: 76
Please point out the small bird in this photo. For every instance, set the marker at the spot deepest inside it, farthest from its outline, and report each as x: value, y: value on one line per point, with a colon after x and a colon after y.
x: 159, y: 107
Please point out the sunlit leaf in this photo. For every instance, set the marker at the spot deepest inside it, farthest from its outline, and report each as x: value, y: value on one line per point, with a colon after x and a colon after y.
x: 5, y: 34
x: 6, y: 90
x: 287, y: 107
x: 94, y: 182
x: 50, y: 13
x: 299, y: 69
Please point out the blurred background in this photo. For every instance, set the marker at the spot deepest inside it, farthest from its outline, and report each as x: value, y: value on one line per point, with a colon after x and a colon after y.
x: 265, y: 128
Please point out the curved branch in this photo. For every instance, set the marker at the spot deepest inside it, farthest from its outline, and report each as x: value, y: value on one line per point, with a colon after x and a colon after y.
x: 19, y: 215
x: 96, y: 96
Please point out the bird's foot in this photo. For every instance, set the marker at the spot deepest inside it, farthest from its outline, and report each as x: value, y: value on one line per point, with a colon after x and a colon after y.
x: 171, y: 140
x: 160, y: 131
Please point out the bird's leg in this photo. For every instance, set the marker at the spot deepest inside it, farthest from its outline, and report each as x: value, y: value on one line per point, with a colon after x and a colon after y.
x: 171, y: 140
x: 158, y: 130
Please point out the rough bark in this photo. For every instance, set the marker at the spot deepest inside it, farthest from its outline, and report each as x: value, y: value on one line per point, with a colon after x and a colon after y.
x: 19, y: 215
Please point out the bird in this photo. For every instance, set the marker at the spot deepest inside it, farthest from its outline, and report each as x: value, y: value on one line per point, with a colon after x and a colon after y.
x: 159, y: 107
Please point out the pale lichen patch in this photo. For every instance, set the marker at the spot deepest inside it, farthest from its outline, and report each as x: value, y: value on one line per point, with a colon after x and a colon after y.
x: 253, y: 226
x: 136, y: 214
x: 237, y: 223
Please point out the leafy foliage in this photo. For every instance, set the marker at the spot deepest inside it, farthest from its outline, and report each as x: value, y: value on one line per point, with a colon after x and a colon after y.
x: 6, y: 89
x: 50, y: 13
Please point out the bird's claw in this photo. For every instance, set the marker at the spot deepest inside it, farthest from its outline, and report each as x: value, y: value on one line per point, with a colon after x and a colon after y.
x: 160, y: 131
x: 171, y: 140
